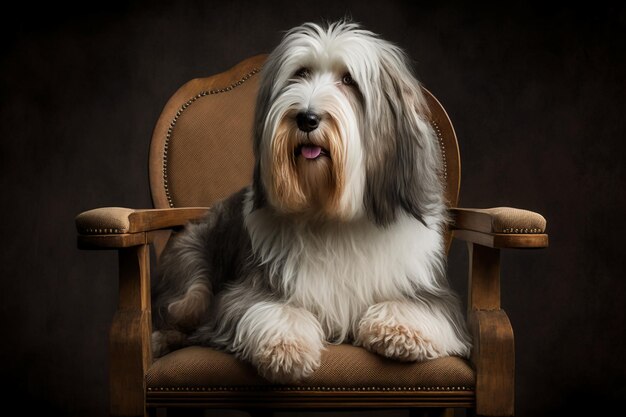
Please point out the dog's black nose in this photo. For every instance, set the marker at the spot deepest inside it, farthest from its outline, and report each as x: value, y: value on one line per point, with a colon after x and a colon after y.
x: 307, y: 121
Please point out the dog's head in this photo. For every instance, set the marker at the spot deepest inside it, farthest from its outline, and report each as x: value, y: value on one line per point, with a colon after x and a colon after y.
x: 341, y: 129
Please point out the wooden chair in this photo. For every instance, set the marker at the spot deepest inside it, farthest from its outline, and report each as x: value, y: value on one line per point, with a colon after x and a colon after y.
x: 201, y: 152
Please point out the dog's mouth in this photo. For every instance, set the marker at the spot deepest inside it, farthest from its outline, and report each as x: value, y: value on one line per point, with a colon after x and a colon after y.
x: 311, y: 151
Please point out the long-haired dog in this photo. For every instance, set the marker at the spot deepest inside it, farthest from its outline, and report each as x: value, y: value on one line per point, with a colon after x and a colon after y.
x: 340, y: 236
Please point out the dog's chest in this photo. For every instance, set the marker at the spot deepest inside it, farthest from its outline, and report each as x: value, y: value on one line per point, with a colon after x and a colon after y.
x: 338, y: 275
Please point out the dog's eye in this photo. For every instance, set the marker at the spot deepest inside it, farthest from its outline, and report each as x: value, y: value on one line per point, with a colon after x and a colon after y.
x: 303, y: 73
x: 347, y: 79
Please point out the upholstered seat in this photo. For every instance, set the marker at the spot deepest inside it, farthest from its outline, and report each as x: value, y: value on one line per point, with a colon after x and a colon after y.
x: 201, y: 151
x: 207, y: 374
x: 342, y: 366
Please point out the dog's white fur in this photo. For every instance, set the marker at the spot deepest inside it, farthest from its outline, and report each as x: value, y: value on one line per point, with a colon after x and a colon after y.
x: 347, y: 247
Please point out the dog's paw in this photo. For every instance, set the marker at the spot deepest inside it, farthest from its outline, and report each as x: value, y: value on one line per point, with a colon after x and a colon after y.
x: 188, y: 311
x: 396, y: 341
x: 164, y: 341
x: 287, y: 361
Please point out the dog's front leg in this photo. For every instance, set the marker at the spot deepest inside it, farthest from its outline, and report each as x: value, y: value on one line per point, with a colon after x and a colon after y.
x: 282, y: 341
x: 410, y: 331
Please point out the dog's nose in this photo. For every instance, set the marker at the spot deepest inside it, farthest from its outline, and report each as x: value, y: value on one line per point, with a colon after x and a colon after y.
x: 307, y: 121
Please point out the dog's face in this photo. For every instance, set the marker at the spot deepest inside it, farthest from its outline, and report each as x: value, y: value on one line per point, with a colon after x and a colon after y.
x: 341, y: 130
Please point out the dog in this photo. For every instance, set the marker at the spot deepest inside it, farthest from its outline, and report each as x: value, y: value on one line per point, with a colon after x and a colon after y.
x: 339, y: 238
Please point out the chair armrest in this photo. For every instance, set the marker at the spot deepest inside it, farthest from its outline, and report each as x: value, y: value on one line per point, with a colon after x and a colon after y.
x: 118, y: 227
x: 493, y: 352
x: 500, y: 227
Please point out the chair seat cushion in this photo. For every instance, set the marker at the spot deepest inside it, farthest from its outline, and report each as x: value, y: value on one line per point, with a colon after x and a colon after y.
x: 198, y: 368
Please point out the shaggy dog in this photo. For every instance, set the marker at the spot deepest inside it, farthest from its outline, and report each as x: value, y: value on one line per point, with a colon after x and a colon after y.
x: 339, y: 238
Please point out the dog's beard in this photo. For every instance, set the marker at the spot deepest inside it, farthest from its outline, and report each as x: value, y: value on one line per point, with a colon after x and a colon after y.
x: 300, y: 182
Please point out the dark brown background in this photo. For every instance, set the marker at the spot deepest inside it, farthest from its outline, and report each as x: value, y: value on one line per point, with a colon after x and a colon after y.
x: 537, y: 95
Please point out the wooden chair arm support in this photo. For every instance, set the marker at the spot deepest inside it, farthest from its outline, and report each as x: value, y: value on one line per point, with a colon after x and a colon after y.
x: 130, y: 350
x: 117, y: 227
x: 500, y: 227
x: 493, y: 358
x: 119, y: 241
x: 493, y: 353
x: 502, y: 240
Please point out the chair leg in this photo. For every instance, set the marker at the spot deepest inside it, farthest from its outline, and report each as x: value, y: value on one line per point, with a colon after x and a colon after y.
x: 129, y: 338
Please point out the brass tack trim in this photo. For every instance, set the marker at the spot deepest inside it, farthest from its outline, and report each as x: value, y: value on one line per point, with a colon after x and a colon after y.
x: 180, y: 111
x: 522, y: 230
x: 104, y: 231
x: 442, y: 148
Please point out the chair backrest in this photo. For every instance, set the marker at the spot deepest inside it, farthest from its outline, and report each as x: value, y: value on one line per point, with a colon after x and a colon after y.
x: 201, y: 148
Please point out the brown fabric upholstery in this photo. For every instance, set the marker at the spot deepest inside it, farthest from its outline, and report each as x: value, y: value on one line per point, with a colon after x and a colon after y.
x: 118, y: 220
x: 513, y: 220
x: 209, y: 152
x: 342, y: 366
x: 499, y: 220
x: 106, y: 220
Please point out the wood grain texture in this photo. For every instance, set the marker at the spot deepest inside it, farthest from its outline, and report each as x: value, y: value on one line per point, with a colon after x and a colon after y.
x: 117, y: 241
x: 129, y: 337
x: 312, y: 399
x: 466, y: 219
x: 493, y: 356
x: 155, y: 219
x: 159, y: 239
x: 503, y: 240
x: 483, y: 278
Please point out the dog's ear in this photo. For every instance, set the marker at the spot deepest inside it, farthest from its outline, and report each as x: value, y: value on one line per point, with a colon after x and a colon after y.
x: 403, y: 159
x: 268, y: 78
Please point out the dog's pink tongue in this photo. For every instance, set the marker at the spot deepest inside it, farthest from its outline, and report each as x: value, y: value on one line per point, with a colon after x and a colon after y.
x: 311, y: 152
